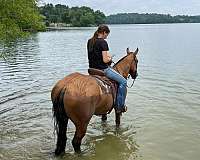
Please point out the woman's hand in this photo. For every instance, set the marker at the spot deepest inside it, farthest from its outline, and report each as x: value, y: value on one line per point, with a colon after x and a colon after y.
x: 109, y: 63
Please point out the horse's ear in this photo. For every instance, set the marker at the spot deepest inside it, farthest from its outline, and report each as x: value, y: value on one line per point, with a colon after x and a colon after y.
x: 136, y: 51
x: 127, y: 51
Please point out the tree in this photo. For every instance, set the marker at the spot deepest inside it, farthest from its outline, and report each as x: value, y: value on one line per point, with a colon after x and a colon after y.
x: 128, y: 18
x: 87, y: 20
x: 18, y: 16
x: 100, y: 17
x: 75, y: 16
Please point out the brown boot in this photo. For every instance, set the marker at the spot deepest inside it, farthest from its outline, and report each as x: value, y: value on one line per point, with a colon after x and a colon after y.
x: 121, y: 109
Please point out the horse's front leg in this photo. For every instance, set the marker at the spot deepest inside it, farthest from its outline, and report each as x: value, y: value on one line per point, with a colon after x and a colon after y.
x: 117, y: 118
x: 104, y: 118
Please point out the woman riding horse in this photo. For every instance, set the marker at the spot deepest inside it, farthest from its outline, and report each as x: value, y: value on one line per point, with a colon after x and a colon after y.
x: 78, y: 97
x: 100, y: 58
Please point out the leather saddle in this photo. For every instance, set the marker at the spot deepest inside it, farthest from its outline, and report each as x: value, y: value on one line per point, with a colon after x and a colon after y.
x: 107, y: 85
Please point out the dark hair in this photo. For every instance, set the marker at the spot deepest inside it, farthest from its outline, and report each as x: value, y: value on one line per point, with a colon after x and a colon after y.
x: 101, y: 29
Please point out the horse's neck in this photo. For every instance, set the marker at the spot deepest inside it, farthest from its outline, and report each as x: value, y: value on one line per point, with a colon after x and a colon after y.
x: 122, y: 67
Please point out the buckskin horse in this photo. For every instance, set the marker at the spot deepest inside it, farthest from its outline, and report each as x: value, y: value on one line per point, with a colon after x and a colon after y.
x: 78, y: 97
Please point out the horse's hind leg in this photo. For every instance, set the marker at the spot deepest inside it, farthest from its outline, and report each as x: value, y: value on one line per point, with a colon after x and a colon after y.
x: 104, y: 117
x: 61, y: 137
x: 79, y: 134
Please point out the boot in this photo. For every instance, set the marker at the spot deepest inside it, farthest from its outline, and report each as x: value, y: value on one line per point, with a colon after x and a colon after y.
x: 121, y: 109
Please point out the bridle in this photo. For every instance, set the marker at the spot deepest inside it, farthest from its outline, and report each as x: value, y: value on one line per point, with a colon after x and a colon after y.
x: 132, y: 82
x: 133, y: 76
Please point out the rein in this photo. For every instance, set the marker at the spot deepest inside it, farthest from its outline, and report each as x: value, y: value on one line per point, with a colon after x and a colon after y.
x: 116, y: 67
x: 131, y: 84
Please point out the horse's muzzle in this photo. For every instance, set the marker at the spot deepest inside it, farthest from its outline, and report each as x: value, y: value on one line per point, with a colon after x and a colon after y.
x: 134, y: 75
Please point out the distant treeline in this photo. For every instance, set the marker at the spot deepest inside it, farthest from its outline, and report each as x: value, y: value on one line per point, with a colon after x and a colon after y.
x: 135, y: 18
x: 74, y: 16
x: 85, y: 16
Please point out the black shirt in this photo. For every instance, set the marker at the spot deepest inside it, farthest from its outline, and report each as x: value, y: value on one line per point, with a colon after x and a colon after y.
x: 95, y: 56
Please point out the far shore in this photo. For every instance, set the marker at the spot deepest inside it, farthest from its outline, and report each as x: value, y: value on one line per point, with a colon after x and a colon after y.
x: 66, y: 28
x: 52, y: 28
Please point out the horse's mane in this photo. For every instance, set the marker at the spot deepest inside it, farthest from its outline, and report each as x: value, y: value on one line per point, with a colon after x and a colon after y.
x: 120, y: 60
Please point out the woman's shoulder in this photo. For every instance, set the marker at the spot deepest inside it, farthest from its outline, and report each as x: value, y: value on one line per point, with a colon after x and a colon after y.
x: 101, y: 40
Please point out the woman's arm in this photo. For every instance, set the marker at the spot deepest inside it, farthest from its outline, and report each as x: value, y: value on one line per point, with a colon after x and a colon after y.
x: 106, y: 56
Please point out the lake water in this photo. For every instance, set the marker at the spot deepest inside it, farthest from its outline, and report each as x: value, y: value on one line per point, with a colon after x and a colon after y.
x: 163, y: 117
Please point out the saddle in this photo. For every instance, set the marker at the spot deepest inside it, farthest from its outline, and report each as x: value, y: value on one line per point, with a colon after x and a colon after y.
x: 107, y: 85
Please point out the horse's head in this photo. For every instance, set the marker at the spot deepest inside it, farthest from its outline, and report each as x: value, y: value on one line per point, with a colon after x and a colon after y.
x: 133, y: 64
x: 128, y: 64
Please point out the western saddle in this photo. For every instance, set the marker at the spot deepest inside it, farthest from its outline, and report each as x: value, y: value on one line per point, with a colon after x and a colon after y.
x: 107, y: 85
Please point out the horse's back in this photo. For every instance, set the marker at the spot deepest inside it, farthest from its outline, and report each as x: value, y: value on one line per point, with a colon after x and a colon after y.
x: 83, y: 95
x: 76, y: 84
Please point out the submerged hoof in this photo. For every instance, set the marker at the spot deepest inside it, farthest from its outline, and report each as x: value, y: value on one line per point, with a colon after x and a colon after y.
x: 59, y: 151
x: 104, y: 118
x: 77, y: 149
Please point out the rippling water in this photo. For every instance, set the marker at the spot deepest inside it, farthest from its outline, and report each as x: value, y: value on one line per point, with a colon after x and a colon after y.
x: 162, y: 121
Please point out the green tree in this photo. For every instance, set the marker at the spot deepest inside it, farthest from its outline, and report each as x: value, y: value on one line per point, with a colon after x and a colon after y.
x: 100, y: 17
x: 66, y: 17
x: 17, y: 16
x: 75, y: 16
x: 128, y: 18
x: 87, y: 20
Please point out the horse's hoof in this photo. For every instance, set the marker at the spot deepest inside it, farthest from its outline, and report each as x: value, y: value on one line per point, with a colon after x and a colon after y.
x: 78, y: 151
x: 104, y: 118
x: 117, y: 125
x: 59, y: 152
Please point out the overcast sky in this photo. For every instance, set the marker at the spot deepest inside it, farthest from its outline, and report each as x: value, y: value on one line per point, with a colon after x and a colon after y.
x: 173, y: 7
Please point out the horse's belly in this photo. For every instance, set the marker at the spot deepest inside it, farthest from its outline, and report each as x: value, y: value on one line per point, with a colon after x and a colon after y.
x: 104, y: 105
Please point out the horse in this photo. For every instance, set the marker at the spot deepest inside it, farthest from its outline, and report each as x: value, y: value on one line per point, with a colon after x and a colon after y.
x: 78, y: 97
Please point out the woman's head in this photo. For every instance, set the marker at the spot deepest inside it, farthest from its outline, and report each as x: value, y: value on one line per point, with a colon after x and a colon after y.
x: 103, y: 31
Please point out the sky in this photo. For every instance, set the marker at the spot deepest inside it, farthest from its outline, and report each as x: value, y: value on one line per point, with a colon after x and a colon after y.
x: 173, y: 7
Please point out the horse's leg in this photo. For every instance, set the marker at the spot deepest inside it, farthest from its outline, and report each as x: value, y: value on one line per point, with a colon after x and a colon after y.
x: 61, y: 137
x: 79, y: 134
x: 104, y: 117
x: 117, y: 118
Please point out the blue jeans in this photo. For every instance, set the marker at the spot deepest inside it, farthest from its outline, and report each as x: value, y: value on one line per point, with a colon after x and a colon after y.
x: 121, y: 93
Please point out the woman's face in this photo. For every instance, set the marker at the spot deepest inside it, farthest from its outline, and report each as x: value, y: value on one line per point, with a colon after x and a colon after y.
x: 105, y: 35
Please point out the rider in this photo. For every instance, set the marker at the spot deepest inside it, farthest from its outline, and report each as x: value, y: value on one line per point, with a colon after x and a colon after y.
x: 100, y: 58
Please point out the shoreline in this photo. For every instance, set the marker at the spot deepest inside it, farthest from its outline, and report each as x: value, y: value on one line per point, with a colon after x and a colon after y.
x: 77, y: 28
x: 66, y: 28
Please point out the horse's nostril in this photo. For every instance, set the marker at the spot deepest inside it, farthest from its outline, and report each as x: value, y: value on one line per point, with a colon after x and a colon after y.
x: 135, y: 75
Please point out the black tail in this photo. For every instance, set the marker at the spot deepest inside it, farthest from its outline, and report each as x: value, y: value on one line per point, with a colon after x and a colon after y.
x: 60, y: 122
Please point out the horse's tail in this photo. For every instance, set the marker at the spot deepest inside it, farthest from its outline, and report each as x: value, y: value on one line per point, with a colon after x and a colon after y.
x: 60, y: 121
